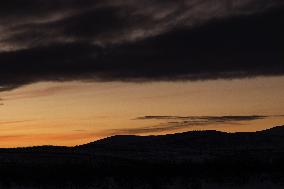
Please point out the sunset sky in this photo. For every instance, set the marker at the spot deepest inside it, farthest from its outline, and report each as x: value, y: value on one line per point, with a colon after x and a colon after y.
x: 71, y: 113
x: 74, y: 72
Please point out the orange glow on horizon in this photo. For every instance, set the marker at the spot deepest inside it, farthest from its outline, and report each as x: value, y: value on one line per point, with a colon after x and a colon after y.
x: 72, y: 113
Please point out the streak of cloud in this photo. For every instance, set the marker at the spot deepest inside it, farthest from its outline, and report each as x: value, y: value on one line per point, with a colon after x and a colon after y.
x: 12, y: 122
x: 175, y: 123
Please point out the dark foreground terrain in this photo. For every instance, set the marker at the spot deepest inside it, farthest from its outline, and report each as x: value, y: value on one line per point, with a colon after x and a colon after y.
x: 194, y: 160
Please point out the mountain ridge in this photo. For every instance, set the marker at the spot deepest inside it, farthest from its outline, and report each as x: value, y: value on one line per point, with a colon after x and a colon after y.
x: 279, y: 130
x: 194, y: 155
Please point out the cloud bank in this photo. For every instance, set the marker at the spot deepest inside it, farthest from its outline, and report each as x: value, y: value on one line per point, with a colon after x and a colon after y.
x: 131, y: 40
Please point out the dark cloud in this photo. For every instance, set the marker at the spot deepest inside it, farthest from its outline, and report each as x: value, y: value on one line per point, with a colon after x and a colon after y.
x: 143, y: 40
x: 175, y: 123
x: 205, y: 118
x: 111, y: 22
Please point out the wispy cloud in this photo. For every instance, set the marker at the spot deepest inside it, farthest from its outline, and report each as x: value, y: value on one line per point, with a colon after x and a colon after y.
x: 175, y: 123
x: 109, y: 21
x: 11, y: 122
x: 205, y: 118
x: 42, y: 91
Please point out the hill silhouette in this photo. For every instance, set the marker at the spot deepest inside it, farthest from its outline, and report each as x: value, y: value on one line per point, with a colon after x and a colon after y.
x: 194, y: 156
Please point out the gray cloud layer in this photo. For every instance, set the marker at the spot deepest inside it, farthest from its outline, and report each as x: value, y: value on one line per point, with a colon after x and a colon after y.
x: 138, y: 40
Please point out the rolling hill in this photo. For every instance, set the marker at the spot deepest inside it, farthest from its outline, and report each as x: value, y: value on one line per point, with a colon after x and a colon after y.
x: 193, y: 156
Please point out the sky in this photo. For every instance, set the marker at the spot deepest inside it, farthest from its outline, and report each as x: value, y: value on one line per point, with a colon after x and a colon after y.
x: 72, y: 113
x: 76, y: 71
